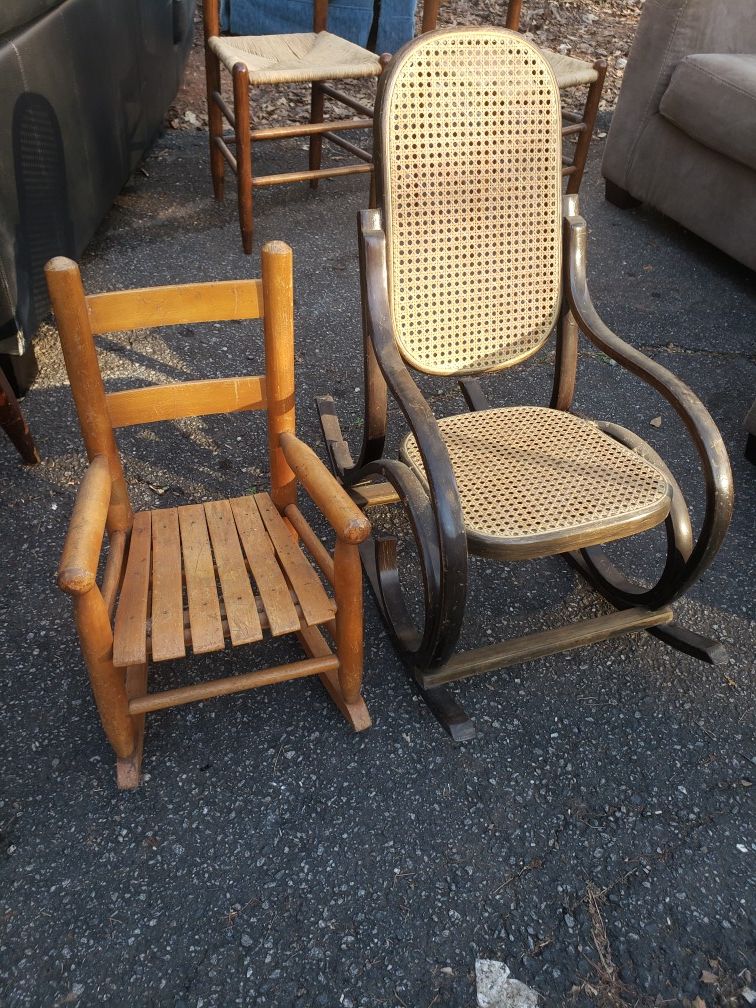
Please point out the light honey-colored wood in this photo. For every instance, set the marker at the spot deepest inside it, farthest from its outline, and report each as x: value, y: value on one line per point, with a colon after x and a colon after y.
x: 198, y: 577
x: 241, y: 611
x: 261, y: 557
x: 279, y: 366
x: 81, y: 551
x: 355, y: 711
x: 80, y: 355
x: 201, y: 593
x: 167, y: 629
x: 349, y: 523
x: 232, y: 684
x: 316, y: 606
x: 348, y: 572
x: 186, y: 399
x: 130, y: 631
x: 107, y: 681
x: 149, y: 307
x: 129, y: 768
x: 317, y: 550
x: 114, y: 569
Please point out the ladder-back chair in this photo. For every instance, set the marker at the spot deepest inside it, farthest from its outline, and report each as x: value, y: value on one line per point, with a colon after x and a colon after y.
x: 204, y: 575
x: 470, y: 263
x: 317, y: 58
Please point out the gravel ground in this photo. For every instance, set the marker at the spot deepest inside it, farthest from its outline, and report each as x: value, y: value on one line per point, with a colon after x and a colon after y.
x: 597, y: 836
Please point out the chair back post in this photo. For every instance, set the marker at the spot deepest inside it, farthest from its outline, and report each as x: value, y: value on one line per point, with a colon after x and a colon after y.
x: 70, y: 308
x: 514, y: 14
x: 278, y: 324
x: 430, y: 14
x: 211, y: 18
x: 320, y: 15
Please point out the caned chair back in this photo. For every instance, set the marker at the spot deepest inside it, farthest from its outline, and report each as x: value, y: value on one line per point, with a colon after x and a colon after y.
x: 468, y: 139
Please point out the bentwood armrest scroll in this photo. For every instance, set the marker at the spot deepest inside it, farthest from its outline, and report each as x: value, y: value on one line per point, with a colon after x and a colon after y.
x: 704, y: 432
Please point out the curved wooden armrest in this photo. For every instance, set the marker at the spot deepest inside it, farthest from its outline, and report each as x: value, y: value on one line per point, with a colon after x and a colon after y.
x: 343, y: 515
x: 77, y: 569
x: 704, y: 432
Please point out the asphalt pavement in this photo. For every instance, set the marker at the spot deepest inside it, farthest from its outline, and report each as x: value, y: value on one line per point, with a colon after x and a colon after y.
x: 602, y: 817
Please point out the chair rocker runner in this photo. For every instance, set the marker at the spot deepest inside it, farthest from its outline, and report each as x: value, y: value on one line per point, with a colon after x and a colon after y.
x: 202, y: 575
x: 470, y: 262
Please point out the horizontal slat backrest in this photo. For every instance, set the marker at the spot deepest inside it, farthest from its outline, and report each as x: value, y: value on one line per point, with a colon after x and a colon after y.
x: 185, y: 399
x: 152, y: 307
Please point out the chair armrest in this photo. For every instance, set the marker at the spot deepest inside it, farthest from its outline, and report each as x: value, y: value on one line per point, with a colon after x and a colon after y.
x: 699, y: 423
x: 343, y: 515
x: 77, y: 569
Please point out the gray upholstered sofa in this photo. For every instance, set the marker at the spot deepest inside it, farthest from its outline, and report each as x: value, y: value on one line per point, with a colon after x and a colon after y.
x: 683, y: 136
x: 84, y: 85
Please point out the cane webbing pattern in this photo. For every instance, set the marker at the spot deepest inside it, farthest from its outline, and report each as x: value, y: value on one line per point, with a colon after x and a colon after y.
x: 297, y: 58
x: 470, y: 139
x: 532, y: 472
x: 570, y: 72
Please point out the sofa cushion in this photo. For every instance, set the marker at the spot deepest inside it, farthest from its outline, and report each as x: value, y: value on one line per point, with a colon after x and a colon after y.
x: 712, y: 98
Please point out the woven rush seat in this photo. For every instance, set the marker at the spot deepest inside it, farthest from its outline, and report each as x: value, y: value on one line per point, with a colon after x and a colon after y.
x: 300, y: 57
x: 187, y: 581
x: 570, y: 72
x: 532, y: 480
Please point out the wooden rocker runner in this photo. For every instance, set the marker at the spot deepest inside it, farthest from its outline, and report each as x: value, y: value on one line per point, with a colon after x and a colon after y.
x: 202, y: 576
x: 471, y: 261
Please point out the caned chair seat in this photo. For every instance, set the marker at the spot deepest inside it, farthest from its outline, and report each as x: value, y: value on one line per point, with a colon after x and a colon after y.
x: 535, y: 481
x: 570, y: 72
x: 301, y: 57
x: 205, y: 574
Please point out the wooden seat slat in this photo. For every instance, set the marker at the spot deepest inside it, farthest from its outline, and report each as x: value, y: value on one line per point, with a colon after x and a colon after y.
x: 317, y: 607
x: 271, y: 584
x: 130, y: 630
x: 241, y: 611
x: 167, y: 632
x: 204, y: 610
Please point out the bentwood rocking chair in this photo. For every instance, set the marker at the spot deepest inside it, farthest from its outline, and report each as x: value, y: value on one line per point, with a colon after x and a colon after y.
x: 202, y: 576
x: 471, y: 261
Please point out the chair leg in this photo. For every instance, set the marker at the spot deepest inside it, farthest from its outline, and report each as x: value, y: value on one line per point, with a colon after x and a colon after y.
x: 317, y: 106
x: 349, y: 618
x: 619, y: 197
x: 215, y: 122
x: 750, y: 448
x: 108, y: 682
x: 589, y: 121
x: 243, y: 154
x: 129, y: 768
x: 13, y: 423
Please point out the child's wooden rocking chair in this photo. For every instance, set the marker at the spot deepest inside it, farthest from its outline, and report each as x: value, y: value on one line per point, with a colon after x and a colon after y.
x: 203, y: 574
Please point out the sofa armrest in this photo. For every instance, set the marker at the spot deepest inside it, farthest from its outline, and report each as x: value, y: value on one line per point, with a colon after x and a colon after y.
x: 668, y: 31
